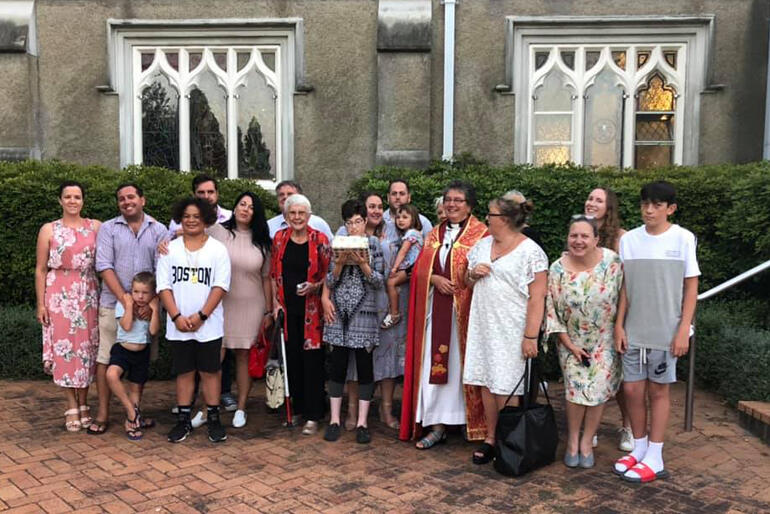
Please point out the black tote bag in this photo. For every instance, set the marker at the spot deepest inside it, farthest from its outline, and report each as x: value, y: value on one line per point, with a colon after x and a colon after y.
x: 525, y: 436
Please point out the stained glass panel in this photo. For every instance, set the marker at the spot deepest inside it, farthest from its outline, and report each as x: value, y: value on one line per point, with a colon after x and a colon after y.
x: 243, y: 59
x: 553, y: 94
x: 592, y: 57
x: 269, y: 59
x: 603, y: 137
x: 654, y: 127
x: 540, y: 59
x: 656, y: 97
x: 620, y: 59
x: 641, y: 58
x: 195, y: 59
x: 551, y: 155
x: 221, y: 59
x: 670, y: 58
x: 147, y: 59
x: 568, y: 58
x: 256, y: 128
x: 553, y: 127
x: 173, y: 59
x: 653, y: 156
x: 208, y: 126
x: 160, y: 124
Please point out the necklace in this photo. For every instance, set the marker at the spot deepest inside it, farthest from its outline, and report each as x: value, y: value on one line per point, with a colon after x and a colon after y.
x: 498, y: 250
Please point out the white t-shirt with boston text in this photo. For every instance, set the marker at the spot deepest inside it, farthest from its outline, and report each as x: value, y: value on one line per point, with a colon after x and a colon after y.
x: 190, y: 276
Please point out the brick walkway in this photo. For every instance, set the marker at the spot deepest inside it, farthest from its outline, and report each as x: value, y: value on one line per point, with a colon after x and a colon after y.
x: 266, y: 468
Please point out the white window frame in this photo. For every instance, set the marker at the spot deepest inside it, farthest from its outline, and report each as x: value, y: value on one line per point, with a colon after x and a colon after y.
x: 693, y: 34
x: 281, y: 36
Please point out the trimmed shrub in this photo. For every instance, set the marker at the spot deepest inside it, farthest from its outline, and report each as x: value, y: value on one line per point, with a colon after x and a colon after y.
x: 29, y: 200
x: 20, y: 343
x: 727, y: 206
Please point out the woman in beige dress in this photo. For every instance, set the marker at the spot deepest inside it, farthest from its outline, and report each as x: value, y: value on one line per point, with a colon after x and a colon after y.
x: 248, y: 304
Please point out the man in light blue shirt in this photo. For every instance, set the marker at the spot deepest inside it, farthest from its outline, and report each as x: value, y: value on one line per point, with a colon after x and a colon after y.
x: 398, y: 195
x: 125, y: 246
x: 284, y: 190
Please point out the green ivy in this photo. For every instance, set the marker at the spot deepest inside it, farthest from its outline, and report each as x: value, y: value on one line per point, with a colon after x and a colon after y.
x: 29, y: 200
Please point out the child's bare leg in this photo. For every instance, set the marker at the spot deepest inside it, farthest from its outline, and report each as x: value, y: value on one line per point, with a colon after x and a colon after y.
x: 392, y: 296
x: 135, y: 393
x: 659, y: 410
x: 116, y: 386
x: 635, y: 393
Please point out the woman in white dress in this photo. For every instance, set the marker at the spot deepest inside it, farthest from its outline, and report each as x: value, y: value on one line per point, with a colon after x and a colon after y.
x: 507, y: 271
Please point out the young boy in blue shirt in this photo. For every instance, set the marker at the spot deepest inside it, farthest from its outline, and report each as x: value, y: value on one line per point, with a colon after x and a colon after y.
x: 655, y: 312
x: 130, y: 355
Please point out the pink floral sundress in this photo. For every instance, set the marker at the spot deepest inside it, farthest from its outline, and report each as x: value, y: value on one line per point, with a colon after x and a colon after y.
x: 71, y: 339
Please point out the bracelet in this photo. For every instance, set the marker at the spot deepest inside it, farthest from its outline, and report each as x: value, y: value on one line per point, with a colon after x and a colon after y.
x: 175, y: 316
x: 528, y: 337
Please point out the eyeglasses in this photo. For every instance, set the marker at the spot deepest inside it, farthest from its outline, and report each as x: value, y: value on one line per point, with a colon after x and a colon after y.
x: 584, y: 217
x: 353, y: 223
x: 493, y: 214
x: 245, y: 205
x: 454, y: 200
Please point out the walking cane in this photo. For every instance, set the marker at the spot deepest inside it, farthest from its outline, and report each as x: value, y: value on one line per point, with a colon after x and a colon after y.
x: 287, y: 394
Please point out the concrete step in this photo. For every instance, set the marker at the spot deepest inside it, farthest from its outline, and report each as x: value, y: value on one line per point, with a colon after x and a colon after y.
x: 755, y: 417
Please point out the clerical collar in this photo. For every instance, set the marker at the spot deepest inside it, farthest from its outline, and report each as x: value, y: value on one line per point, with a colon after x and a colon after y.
x: 453, y: 226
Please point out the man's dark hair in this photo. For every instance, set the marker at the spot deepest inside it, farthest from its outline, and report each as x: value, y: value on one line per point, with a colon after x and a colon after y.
x: 208, y: 211
x: 72, y: 183
x: 660, y: 191
x: 398, y: 180
x: 139, y: 191
x: 290, y: 183
x: 468, y: 190
x: 202, y: 178
x: 352, y: 207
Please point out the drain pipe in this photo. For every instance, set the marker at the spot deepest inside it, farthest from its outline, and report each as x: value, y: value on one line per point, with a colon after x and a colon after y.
x: 449, y: 79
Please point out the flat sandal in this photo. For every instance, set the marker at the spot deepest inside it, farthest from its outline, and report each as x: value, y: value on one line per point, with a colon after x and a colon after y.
x: 431, y: 440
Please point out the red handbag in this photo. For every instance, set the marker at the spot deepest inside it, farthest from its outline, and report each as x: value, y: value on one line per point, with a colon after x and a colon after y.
x: 258, y: 355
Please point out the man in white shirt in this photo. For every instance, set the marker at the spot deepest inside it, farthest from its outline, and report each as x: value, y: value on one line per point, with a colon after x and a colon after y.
x: 284, y: 190
x: 398, y: 195
x: 206, y: 187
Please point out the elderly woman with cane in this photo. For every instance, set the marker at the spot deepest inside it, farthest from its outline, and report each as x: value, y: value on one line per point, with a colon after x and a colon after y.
x: 299, y: 261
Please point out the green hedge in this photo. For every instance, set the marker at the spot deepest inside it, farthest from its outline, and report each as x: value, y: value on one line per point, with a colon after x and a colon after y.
x: 732, y: 357
x: 29, y: 200
x: 727, y: 207
x: 21, y: 347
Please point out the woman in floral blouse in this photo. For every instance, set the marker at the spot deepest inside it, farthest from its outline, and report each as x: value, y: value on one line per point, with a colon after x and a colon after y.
x: 583, y: 287
x: 67, y: 302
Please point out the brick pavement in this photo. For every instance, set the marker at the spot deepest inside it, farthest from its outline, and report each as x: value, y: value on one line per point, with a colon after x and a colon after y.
x: 264, y: 467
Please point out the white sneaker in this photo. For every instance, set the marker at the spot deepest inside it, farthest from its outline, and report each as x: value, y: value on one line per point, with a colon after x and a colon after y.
x: 198, y: 421
x: 239, y: 420
x: 626, y: 442
x: 595, y: 441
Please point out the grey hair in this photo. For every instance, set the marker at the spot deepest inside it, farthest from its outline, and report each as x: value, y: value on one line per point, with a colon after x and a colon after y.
x: 438, y: 202
x: 297, y: 199
x: 515, y: 195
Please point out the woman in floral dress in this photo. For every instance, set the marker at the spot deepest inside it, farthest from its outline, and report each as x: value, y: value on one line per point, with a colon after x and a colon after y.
x: 67, y: 293
x: 583, y: 287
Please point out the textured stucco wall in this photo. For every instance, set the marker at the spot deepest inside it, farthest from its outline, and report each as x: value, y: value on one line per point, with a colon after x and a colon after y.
x: 16, y: 101
x: 336, y: 125
x: 732, y: 120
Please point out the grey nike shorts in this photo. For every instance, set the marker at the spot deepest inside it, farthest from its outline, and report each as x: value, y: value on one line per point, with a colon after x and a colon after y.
x: 657, y: 366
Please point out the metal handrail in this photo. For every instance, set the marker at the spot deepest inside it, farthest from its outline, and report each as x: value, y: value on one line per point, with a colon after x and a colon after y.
x: 690, y: 395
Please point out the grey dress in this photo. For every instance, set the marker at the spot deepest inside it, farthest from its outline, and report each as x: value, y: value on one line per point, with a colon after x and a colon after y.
x: 357, y: 321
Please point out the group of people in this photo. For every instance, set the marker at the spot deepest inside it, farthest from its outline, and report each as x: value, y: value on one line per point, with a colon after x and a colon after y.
x: 456, y: 309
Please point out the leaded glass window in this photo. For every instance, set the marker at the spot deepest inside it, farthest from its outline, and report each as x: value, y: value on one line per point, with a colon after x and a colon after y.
x: 610, y: 104
x: 214, y: 108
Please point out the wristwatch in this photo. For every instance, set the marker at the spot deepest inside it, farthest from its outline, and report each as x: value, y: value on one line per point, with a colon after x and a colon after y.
x: 202, y: 316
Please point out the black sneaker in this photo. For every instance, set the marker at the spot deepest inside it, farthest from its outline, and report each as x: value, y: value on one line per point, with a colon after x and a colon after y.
x: 332, y: 432
x: 363, y: 436
x: 180, y: 432
x: 217, y: 432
